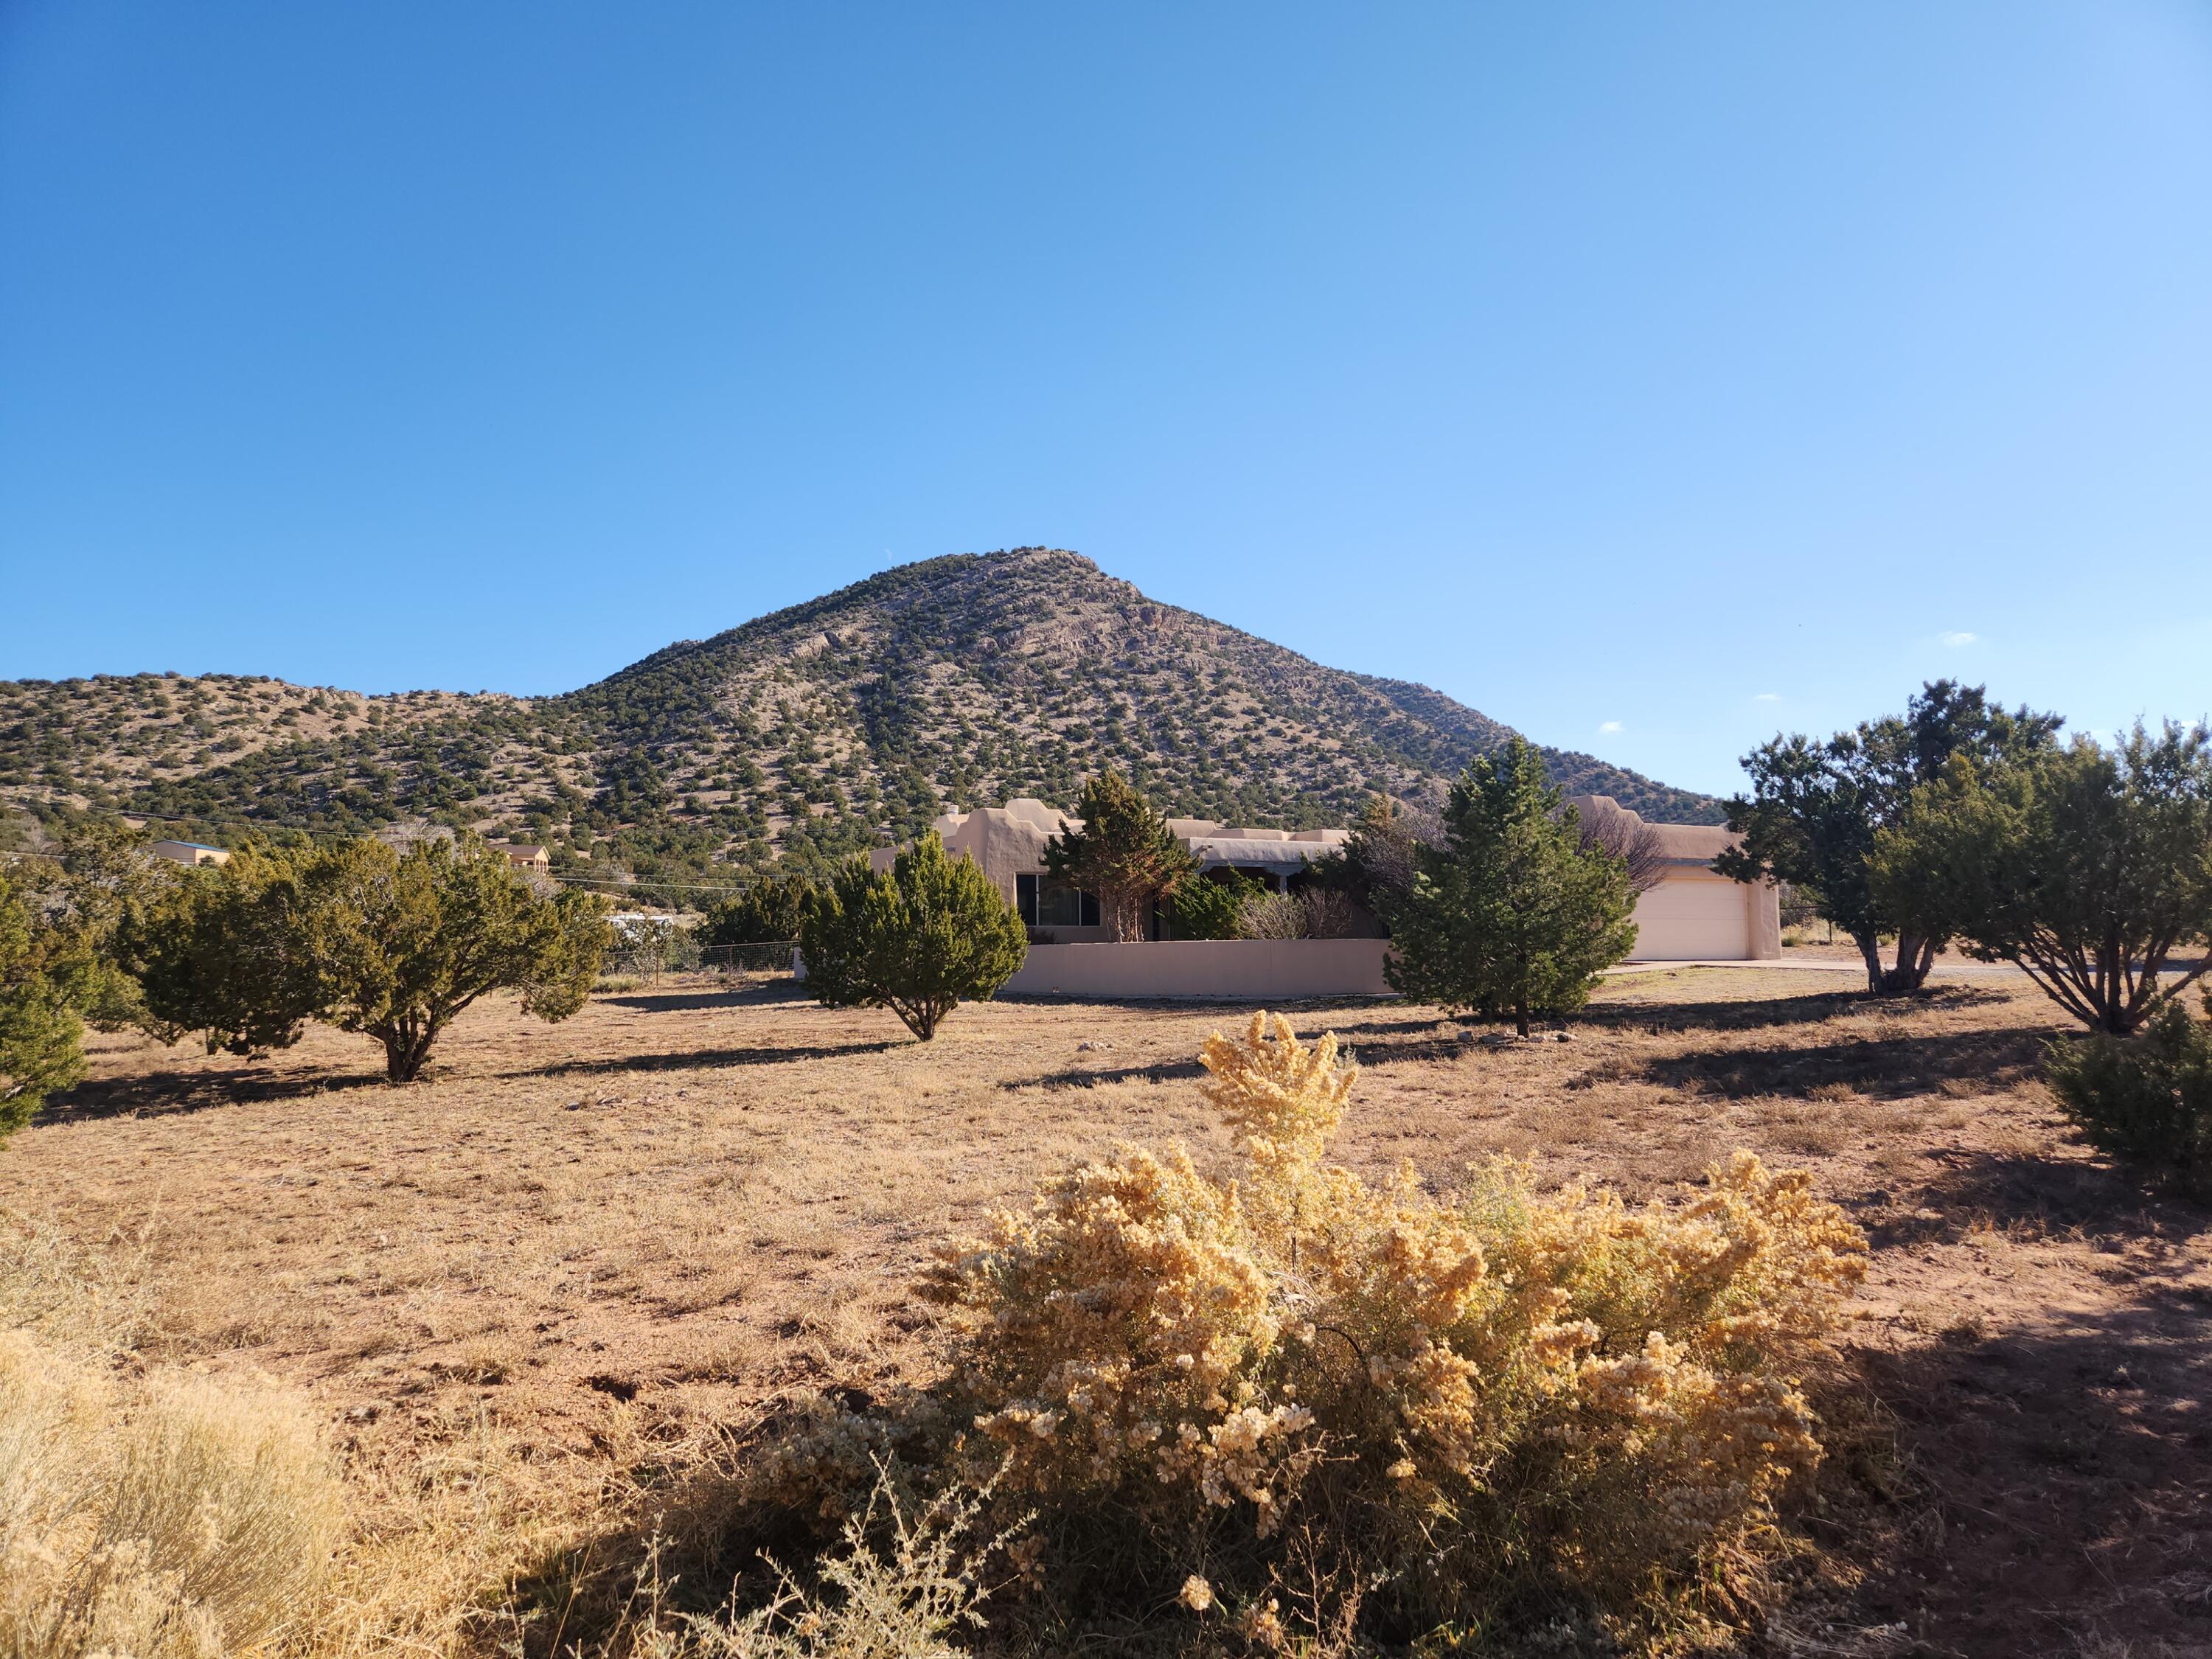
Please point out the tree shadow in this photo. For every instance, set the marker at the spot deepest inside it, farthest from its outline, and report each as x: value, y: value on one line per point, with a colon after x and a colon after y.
x: 2035, y: 1196
x: 1879, y: 1067
x: 164, y: 1094
x: 702, y: 1059
x: 1772, y: 1013
x: 1164, y: 1071
x: 689, y: 997
x: 2055, y: 1485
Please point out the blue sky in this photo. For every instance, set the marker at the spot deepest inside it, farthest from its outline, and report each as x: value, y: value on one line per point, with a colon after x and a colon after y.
x: 1647, y: 377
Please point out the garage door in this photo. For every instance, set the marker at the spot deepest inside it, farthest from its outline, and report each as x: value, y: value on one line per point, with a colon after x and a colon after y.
x: 1685, y: 917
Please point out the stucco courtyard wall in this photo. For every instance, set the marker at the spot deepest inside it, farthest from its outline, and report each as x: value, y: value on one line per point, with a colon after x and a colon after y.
x: 1219, y: 970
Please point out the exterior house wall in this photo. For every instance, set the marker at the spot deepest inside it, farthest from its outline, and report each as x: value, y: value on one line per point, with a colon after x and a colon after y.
x: 1692, y: 914
x: 189, y: 852
x: 1206, y: 969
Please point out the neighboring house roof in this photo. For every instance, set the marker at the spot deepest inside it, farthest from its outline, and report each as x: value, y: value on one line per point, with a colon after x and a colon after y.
x: 196, y: 846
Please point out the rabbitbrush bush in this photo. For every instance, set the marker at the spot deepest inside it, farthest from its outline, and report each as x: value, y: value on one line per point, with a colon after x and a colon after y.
x: 1446, y: 1410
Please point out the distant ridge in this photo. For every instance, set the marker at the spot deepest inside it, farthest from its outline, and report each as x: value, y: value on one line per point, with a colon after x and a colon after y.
x: 812, y: 730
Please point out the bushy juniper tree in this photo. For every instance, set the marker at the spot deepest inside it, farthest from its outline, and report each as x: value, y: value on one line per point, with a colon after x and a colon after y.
x: 41, y: 1033
x: 2086, y: 866
x: 1513, y: 913
x: 920, y: 938
x: 393, y: 946
x: 766, y: 912
x: 1814, y: 809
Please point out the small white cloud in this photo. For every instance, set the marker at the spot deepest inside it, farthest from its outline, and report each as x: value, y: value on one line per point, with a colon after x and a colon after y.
x: 1952, y: 636
x: 1768, y: 696
x: 1610, y: 725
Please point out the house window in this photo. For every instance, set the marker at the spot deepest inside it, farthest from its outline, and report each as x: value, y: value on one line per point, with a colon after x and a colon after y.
x: 1045, y: 903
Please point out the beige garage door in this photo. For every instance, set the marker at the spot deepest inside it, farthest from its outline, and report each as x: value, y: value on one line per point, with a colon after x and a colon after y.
x: 1691, y: 916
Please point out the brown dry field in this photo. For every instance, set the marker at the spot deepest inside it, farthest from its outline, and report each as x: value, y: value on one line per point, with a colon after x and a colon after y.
x: 524, y: 1291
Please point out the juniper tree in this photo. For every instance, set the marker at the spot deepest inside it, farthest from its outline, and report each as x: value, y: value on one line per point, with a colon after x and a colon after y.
x: 2086, y: 866
x: 920, y: 938
x: 1513, y: 915
x: 1815, y: 808
x: 1125, y: 853
x: 41, y: 1034
x: 393, y: 946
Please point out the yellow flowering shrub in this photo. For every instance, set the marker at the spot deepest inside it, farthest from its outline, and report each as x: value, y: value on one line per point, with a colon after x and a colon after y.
x: 1465, y: 1397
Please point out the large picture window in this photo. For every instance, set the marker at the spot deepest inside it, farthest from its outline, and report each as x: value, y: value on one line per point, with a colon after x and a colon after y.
x: 1045, y: 903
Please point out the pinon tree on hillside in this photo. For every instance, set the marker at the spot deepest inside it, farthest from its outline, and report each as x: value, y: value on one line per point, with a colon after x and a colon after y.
x: 1514, y: 914
x: 1814, y: 809
x: 919, y: 938
x: 1125, y: 853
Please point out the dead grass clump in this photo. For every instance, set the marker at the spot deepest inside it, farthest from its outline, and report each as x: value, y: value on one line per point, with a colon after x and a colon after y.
x: 1446, y: 1411
x: 51, y: 1285
x: 176, y: 1520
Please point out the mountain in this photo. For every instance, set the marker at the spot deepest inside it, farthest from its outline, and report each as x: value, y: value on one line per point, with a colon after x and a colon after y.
x: 814, y: 730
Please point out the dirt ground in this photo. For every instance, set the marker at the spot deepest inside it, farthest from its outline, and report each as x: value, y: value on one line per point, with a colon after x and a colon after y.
x: 589, y: 1240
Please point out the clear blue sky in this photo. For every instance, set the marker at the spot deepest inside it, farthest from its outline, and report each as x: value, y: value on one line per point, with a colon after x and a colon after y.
x: 1649, y: 377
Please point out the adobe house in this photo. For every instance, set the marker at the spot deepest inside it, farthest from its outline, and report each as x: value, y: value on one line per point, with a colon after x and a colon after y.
x: 1692, y: 914
x: 189, y: 852
x: 1007, y: 843
x: 525, y: 856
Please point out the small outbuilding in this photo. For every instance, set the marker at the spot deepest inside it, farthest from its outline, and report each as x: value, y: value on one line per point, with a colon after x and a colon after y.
x: 194, y: 852
x: 526, y: 856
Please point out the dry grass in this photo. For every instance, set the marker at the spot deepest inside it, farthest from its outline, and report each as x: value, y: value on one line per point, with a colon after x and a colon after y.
x: 170, y: 1517
x: 529, y: 1292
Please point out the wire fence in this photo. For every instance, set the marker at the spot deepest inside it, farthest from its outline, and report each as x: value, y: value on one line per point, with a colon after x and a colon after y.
x: 647, y: 953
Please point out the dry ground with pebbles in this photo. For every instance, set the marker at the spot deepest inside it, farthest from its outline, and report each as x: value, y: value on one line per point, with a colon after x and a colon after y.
x: 528, y: 1289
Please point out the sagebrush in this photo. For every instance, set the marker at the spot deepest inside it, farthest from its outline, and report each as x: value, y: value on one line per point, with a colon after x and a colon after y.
x: 169, y: 1519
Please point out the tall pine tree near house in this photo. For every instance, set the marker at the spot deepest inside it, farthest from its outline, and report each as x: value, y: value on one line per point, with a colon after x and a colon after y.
x: 1125, y: 853
x: 1513, y: 915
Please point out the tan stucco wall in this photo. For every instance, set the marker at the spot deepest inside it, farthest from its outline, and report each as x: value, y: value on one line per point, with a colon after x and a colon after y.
x: 1209, y: 970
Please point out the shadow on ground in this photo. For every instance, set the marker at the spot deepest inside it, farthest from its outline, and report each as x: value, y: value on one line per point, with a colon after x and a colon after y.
x: 676, y: 1000
x: 703, y: 1058
x: 1910, y: 1063
x: 160, y: 1094
x: 2035, y: 1197
x: 2059, y: 1483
